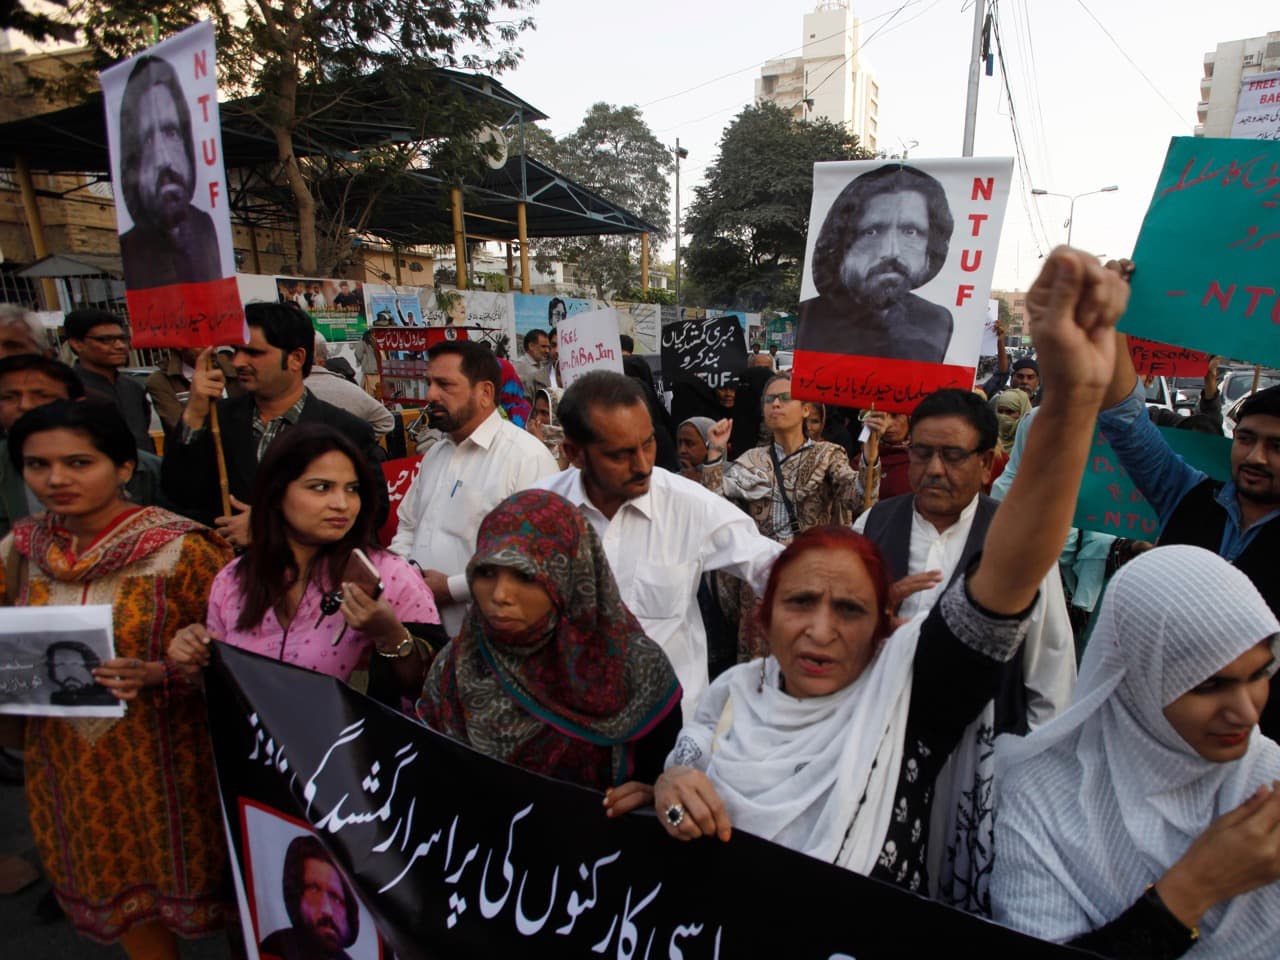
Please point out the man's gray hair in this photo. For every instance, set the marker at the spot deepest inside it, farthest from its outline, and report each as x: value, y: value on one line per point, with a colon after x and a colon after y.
x: 11, y: 313
x: 322, y: 348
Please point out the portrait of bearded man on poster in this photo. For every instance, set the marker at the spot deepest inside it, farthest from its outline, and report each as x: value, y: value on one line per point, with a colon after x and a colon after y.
x: 886, y: 234
x: 171, y: 240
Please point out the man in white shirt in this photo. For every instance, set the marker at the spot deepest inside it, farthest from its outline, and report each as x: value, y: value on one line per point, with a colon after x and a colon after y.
x: 342, y: 393
x: 927, y: 538
x: 660, y: 531
x: 532, y: 364
x: 482, y: 460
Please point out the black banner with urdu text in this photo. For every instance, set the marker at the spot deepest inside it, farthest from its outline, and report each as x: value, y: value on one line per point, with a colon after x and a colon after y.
x: 457, y: 855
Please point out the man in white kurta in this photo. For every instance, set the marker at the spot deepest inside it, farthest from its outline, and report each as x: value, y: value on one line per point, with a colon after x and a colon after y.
x: 660, y: 531
x: 481, y: 461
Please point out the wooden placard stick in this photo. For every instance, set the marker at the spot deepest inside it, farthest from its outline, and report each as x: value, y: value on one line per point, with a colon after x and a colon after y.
x: 870, y: 454
x: 223, y: 485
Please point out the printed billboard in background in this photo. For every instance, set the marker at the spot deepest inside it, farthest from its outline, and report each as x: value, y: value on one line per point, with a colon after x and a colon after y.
x: 1258, y: 108
x: 897, y: 274
x: 535, y: 311
x: 390, y: 306
x: 1208, y: 254
x: 491, y: 315
x: 336, y: 307
x: 173, y: 217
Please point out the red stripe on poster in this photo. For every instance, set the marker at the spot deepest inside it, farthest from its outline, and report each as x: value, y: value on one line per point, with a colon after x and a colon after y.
x: 863, y: 382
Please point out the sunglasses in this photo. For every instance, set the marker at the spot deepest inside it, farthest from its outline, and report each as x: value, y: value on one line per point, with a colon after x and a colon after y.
x: 768, y: 398
x: 920, y: 454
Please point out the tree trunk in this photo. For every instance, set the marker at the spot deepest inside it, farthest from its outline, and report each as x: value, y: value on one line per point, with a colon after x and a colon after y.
x: 282, y: 129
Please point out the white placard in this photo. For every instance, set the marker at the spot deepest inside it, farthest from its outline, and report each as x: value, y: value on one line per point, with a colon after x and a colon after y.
x: 1258, y: 109
x: 989, y: 345
x: 47, y: 658
x: 589, y: 341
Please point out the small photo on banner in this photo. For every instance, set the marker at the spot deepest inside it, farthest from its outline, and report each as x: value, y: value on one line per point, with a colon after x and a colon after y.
x: 172, y: 213
x: 897, y: 274
x: 1207, y: 260
x: 301, y: 904
x: 336, y: 307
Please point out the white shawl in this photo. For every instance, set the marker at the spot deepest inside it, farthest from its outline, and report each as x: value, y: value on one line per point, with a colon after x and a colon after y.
x: 1103, y: 800
x: 794, y: 771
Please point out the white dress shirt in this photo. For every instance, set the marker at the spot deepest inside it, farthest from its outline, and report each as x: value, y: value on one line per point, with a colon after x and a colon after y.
x: 1049, y: 653
x: 336, y: 389
x: 457, y: 486
x: 659, y: 545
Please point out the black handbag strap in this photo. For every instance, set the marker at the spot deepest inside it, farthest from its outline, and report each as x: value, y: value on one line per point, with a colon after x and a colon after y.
x: 782, y: 489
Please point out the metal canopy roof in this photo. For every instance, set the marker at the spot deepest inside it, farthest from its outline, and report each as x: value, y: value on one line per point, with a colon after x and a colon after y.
x: 75, y: 140
x: 419, y: 211
x: 59, y: 265
x: 360, y: 114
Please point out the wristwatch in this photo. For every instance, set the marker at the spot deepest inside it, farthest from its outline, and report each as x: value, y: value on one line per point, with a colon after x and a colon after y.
x: 402, y: 650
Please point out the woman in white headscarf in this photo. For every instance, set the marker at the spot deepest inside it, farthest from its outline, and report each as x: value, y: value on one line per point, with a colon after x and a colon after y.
x: 1145, y: 818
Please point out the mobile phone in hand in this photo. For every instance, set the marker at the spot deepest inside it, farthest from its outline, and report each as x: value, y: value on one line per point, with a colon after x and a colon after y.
x: 361, y: 571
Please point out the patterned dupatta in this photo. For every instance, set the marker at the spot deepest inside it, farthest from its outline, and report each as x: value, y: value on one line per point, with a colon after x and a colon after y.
x: 133, y: 536
x: 570, y: 696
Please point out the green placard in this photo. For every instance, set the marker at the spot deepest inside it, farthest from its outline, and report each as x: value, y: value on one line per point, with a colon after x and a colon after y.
x: 1109, y: 502
x: 1208, y: 256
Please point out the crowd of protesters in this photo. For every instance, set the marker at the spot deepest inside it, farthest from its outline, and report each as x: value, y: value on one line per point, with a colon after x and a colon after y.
x: 722, y: 612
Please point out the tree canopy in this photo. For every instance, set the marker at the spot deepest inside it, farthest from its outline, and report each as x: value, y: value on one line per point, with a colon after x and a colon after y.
x: 614, y: 153
x: 748, y: 222
x: 301, y: 56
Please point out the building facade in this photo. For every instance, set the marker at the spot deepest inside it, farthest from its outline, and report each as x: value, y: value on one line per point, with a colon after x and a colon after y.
x: 830, y: 80
x: 1224, y: 69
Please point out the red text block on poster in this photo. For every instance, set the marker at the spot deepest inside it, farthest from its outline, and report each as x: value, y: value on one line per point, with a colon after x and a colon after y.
x: 896, y: 386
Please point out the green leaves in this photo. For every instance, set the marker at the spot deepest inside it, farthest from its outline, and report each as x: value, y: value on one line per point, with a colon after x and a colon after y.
x: 748, y: 222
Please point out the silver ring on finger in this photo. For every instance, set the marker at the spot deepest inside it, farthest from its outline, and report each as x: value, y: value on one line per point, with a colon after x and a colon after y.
x: 675, y: 815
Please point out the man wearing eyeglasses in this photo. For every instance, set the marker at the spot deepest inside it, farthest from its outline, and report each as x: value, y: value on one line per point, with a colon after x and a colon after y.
x: 929, y: 537
x: 101, y: 346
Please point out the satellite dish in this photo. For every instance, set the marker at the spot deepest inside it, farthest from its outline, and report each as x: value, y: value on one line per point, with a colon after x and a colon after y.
x: 495, y: 136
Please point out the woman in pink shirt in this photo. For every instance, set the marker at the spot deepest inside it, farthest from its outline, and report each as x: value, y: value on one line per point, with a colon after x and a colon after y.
x: 286, y: 597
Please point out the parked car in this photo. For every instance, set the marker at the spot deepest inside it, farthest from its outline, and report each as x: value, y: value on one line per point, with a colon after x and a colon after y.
x: 1239, y: 381
x: 1158, y: 394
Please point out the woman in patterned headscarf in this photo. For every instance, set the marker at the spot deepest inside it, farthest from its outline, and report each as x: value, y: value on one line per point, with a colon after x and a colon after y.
x: 551, y: 671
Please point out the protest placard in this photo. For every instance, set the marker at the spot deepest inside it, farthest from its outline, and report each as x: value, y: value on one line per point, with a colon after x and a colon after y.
x: 1258, y: 108
x: 713, y: 350
x: 897, y: 275
x: 1161, y: 359
x: 1208, y: 254
x: 172, y: 211
x: 507, y: 863
x: 589, y: 341
x: 1110, y: 502
x: 47, y: 659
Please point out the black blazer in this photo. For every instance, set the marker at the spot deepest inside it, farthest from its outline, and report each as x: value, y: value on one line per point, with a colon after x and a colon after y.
x: 189, y: 474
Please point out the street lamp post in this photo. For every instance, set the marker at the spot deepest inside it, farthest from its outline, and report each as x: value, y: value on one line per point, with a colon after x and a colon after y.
x: 1071, y: 212
x: 681, y: 153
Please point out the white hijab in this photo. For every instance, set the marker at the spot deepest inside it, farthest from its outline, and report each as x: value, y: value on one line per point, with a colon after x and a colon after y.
x: 795, y: 770
x: 1105, y: 798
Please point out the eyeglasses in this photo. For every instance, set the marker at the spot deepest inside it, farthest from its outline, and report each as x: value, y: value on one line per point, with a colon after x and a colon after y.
x: 107, y: 339
x: 768, y: 398
x: 953, y: 456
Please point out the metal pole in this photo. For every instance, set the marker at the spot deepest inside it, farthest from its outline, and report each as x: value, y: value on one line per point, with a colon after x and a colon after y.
x: 678, y: 316
x: 644, y: 261
x: 522, y: 231
x: 975, y: 74
x: 1071, y: 219
x: 35, y: 224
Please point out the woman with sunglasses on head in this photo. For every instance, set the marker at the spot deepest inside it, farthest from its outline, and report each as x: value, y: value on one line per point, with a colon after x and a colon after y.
x: 791, y: 484
x: 291, y: 594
